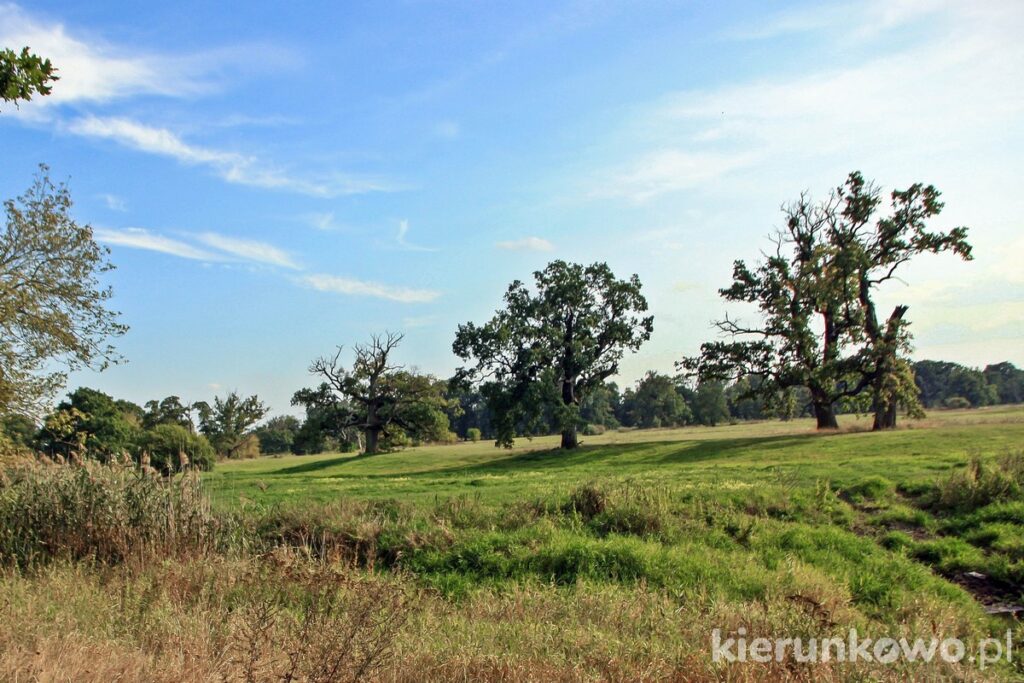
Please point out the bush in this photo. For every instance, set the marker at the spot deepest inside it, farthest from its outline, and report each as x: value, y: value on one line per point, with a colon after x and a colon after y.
x: 956, y: 402
x: 473, y: 434
x: 108, y: 513
x: 172, y: 448
x: 594, y: 430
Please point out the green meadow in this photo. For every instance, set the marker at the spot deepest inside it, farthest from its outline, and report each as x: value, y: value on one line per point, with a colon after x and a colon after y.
x: 779, y: 455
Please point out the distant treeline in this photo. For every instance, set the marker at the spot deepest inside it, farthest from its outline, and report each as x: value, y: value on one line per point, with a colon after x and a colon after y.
x: 168, y: 434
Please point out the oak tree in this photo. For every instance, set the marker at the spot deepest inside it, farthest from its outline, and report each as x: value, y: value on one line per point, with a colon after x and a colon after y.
x: 384, y: 399
x: 548, y: 347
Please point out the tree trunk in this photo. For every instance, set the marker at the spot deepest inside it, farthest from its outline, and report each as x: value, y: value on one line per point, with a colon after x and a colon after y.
x: 372, y: 436
x: 885, y: 413
x: 825, y: 413
x: 569, y: 437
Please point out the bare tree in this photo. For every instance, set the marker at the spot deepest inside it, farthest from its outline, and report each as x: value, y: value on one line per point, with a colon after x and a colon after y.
x: 386, y: 397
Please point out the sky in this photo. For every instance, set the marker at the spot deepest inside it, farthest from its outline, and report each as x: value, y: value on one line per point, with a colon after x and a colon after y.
x: 276, y: 179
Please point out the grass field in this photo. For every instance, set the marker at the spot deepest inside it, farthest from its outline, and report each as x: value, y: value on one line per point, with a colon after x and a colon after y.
x: 725, y: 457
x: 467, y: 562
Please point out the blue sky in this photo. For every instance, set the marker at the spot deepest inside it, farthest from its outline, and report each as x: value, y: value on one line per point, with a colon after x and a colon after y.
x: 275, y: 179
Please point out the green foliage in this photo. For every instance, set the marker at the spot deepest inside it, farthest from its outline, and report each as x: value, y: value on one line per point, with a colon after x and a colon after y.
x: 53, y: 309
x: 278, y: 434
x: 958, y: 402
x: 1008, y: 381
x: 23, y: 74
x: 547, y: 348
x: 942, y: 380
x: 172, y: 448
x: 473, y: 434
x: 91, y: 424
x: 655, y: 402
x: 391, y: 405
x: 167, y: 411
x: 709, y: 404
x: 823, y: 275
x: 19, y: 429
x: 228, y: 423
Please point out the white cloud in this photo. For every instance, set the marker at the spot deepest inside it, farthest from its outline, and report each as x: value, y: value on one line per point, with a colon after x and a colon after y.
x: 214, y: 247
x: 139, y: 238
x: 114, y: 202
x: 403, y: 230
x: 94, y: 72
x: 351, y: 286
x: 231, y: 166
x: 249, y: 250
x: 526, y: 244
x: 948, y: 89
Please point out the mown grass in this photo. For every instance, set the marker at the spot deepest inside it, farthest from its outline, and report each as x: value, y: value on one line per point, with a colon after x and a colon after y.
x: 611, y: 563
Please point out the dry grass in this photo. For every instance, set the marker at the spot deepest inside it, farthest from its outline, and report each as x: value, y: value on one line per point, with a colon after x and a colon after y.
x: 282, y: 618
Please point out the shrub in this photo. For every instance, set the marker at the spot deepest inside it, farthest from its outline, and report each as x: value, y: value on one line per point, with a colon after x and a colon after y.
x: 594, y: 430
x: 956, y: 402
x: 172, y: 448
x: 473, y: 434
x: 108, y: 513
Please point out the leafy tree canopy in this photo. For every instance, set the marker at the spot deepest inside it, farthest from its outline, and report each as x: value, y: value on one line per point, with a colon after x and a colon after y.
x: 53, y: 309
x: 548, y: 347
x: 23, y: 74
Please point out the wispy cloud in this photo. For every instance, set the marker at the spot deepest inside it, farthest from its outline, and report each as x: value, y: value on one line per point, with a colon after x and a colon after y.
x: 354, y: 287
x: 668, y: 170
x: 249, y: 250
x: 526, y: 244
x: 139, y: 238
x: 214, y: 248
x: 114, y: 202
x: 902, y: 103
x: 207, y: 246
x: 231, y: 166
x: 403, y: 231
x: 322, y: 221
x: 862, y: 19
x: 93, y: 71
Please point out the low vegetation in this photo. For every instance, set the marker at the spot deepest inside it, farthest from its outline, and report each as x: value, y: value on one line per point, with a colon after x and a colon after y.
x: 592, y: 567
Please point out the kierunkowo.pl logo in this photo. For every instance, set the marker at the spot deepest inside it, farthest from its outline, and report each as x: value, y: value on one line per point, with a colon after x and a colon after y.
x: 738, y: 648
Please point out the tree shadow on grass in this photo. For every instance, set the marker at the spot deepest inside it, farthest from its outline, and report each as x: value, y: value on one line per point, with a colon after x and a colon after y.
x: 316, y: 465
x: 586, y: 457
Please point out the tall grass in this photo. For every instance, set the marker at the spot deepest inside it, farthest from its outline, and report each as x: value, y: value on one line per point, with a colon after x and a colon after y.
x: 982, y: 483
x: 106, y: 513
